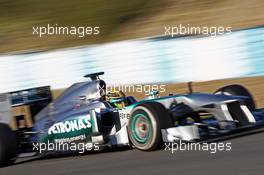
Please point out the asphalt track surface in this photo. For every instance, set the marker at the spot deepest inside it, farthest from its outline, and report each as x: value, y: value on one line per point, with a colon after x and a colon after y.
x: 246, y: 157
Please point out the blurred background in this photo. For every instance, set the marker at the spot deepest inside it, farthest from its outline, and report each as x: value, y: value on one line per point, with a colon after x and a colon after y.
x: 118, y: 20
x: 131, y: 47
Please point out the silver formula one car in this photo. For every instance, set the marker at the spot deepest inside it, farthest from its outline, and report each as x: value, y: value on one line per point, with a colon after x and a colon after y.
x: 85, y: 113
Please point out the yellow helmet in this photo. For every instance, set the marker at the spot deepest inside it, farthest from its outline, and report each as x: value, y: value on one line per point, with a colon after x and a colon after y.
x: 116, y: 98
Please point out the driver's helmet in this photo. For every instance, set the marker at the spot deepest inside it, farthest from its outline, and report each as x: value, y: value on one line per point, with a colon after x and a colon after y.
x: 116, y: 98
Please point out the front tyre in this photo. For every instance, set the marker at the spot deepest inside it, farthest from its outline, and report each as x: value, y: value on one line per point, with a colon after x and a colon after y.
x: 145, y: 124
x: 238, y: 90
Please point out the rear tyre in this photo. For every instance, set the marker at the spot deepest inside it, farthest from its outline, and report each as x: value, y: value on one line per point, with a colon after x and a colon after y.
x: 238, y: 90
x: 145, y: 124
x: 8, y: 145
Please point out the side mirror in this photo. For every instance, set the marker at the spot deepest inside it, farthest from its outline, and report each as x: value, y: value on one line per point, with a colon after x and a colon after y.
x: 153, y: 94
x: 190, y: 87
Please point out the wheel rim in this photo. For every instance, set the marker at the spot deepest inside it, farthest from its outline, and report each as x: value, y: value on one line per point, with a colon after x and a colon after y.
x: 141, y: 128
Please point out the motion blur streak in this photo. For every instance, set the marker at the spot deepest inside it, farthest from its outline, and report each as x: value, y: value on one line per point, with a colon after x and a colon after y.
x: 140, y: 61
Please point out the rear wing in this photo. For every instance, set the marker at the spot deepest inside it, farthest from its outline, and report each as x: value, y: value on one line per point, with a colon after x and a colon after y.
x: 18, y: 108
x: 30, y: 96
x: 5, y: 109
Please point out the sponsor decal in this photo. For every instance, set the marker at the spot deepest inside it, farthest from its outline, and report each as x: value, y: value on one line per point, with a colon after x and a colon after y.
x: 71, y: 139
x: 124, y: 116
x: 70, y: 126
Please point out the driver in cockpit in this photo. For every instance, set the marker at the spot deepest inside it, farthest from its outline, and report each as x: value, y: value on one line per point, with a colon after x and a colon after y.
x: 117, y: 99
